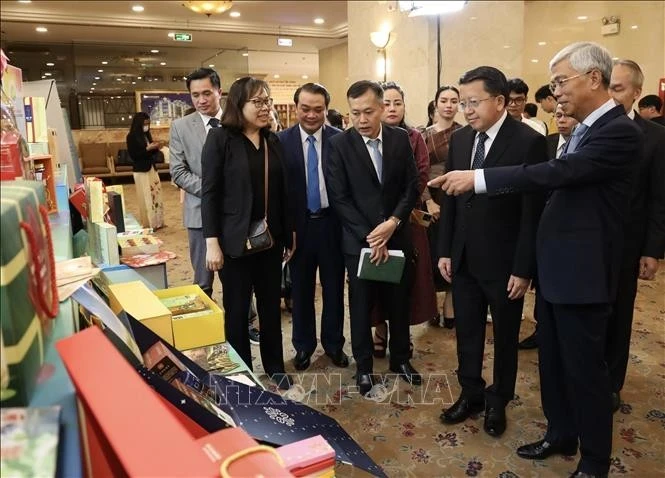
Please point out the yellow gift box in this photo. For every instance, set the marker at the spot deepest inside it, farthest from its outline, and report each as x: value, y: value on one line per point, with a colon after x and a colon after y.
x: 138, y: 301
x: 196, y: 329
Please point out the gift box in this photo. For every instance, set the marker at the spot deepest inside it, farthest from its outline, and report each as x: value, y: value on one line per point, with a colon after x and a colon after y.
x: 195, y: 328
x: 28, y: 292
x: 133, y: 245
x: 308, y: 457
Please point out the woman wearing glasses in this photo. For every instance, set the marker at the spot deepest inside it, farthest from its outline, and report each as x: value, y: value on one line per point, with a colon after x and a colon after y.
x: 236, y: 161
x: 437, y: 138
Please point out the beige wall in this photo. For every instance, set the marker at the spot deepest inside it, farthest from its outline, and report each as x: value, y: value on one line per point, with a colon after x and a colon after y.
x: 333, y: 74
x: 411, y: 53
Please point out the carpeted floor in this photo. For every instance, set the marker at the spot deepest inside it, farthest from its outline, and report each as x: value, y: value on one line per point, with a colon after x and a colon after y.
x: 403, y: 433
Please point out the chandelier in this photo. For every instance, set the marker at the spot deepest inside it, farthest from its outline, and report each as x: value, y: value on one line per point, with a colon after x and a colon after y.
x: 209, y: 7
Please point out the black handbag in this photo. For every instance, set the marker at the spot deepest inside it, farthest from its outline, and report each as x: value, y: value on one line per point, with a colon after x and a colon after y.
x: 258, y: 236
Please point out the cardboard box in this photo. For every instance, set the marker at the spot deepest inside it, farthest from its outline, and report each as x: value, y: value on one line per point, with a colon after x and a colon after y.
x: 137, y: 300
x: 196, y: 330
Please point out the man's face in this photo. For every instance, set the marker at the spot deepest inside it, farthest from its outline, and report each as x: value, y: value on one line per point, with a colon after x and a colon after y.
x: 516, y: 103
x: 366, y: 112
x: 482, y: 109
x: 205, y: 97
x: 311, y: 111
x: 564, y: 124
x: 575, y: 92
x: 622, y: 88
x: 548, y: 104
x: 649, y: 112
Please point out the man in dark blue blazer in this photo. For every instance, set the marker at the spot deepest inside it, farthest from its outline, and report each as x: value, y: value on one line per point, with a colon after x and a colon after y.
x: 318, y: 231
x: 578, y: 253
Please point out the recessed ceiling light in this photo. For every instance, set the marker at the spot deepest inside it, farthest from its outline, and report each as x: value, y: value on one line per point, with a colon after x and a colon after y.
x: 92, y: 89
x: 234, y: 14
x: 304, y: 77
x: 47, y: 74
x: 119, y: 79
x: 133, y: 83
x: 633, y: 27
x: 473, y: 18
x: 94, y: 84
x: 100, y: 71
x: 162, y: 63
x: 542, y: 43
x: 319, y: 21
x: 245, y: 54
x: 41, y: 29
x: 170, y: 35
x: 506, y: 46
x: 275, y: 76
x: 534, y: 60
x: 50, y: 64
x: 582, y: 17
x: 154, y: 51
x: 211, y: 66
x: 139, y: 77
x: 138, y: 8
x: 105, y: 63
x: 43, y: 77
x: 97, y: 78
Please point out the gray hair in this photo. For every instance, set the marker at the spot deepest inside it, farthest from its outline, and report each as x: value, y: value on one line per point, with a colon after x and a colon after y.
x: 586, y: 56
x: 638, y: 76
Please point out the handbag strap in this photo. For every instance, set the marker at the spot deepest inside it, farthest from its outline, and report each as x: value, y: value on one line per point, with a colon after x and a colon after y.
x: 265, y: 185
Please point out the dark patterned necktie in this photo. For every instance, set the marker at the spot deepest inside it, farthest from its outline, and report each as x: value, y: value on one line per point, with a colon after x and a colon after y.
x: 213, y: 122
x: 479, y: 156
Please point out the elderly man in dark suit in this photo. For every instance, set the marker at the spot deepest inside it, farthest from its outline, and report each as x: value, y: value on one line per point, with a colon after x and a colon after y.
x: 579, y: 250
x: 318, y: 231
x: 645, y: 231
x: 373, y: 186
x: 488, y: 245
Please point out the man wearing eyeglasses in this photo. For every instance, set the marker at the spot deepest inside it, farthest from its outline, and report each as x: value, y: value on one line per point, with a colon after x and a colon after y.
x: 517, y: 101
x: 487, y: 246
x: 579, y: 248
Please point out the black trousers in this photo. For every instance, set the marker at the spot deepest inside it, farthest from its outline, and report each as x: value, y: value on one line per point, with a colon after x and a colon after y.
x: 471, y: 296
x: 319, y: 250
x: 394, y: 304
x: 262, y: 272
x: 574, y: 382
x: 620, y: 323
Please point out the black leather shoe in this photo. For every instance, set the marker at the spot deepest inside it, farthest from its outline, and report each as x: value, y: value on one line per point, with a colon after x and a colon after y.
x: 282, y: 380
x: 462, y: 409
x: 581, y: 474
x: 407, y: 373
x: 301, y: 360
x: 495, y: 421
x: 543, y: 449
x: 365, y: 382
x: 531, y: 342
x: 616, y: 402
x: 339, y: 359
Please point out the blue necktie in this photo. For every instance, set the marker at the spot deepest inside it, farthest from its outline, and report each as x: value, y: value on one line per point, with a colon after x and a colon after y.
x: 576, y: 137
x: 313, y: 193
x: 479, y: 155
x: 378, y: 158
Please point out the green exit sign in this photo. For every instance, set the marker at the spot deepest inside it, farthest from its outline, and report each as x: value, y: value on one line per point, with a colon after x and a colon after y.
x: 182, y: 36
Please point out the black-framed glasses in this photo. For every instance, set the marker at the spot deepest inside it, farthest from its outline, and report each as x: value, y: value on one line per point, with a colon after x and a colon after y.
x: 473, y: 104
x: 559, y: 82
x: 517, y: 101
x: 261, y: 102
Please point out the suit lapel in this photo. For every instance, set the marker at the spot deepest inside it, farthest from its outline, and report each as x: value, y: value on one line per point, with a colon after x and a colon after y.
x: 363, y: 156
x: 501, y: 142
x: 198, y: 127
x: 467, y: 136
x: 296, y: 147
x: 600, y: 122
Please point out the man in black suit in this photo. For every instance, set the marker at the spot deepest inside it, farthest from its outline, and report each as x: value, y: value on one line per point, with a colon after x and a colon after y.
x: 318, y: 230
x: 650, y: 108
x: 373, y: 186
x: 645, y: 231
x: 578, y: 251
x: 488, y: 246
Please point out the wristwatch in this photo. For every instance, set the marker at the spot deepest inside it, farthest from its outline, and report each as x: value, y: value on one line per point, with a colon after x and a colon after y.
x: 396, y: 220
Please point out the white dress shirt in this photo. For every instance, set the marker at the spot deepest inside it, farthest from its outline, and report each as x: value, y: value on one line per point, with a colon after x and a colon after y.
x: 491, y: 133
x: 367, y: 139
x: 561, y: 145
x: 206, y: 118
x: 480, y: 186
x: 318, y: 135
x: 536, y: 125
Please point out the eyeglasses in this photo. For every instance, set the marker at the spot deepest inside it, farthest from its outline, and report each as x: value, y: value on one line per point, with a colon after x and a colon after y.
x: 473, y: 104
x: 517, y: 101
x: 261, y: 102
x: 558, y: 83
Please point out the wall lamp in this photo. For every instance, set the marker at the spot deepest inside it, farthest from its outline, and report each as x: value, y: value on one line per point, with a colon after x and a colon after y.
x: 380, y: 40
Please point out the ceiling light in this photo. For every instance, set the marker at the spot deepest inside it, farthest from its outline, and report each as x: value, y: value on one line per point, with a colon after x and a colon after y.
x: 139, y: 77
x: 506, y: 46
x: 92, y: 89
x: 162, y: 63
x: 138, y: 8
x: 245, y: 54
x: 43, y: 77
x: 209, y: 7
x: 133, y: 82
x: 542, y: 43
x: 97, y: 78
x: 211, y: 66
x: 284, y: 42
x: 105, y: 63
x: 154, y: 51
x: 94, y: 84
x: 50, y: 64
x: 100, y: 71
x: 304, y: 77
x: 234, y: 14
x: 275, y: 76
x: 633, y: 27
x: 41, y: 29
x: 24, y: 1
x: 582, y: 17
x: 534, y: 60
x: 119, y: 79
x: 319, y: 21
x: 171, y: 34
x: 48, y: 73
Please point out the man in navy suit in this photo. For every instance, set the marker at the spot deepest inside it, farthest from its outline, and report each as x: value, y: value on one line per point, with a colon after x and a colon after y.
x: 579, y: 250
x: 318, y: 230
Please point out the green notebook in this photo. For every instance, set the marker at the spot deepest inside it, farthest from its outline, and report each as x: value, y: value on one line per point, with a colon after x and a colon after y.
x: 390, y: 271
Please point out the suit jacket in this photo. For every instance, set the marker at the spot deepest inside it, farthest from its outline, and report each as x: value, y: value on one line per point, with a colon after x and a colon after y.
x: 646, y: 226
x: 580, y: 237
x: 552, y: 144
x: 295, y: 166
x: 359, y: 199
x: 185, y: 144
x: 226, y: 190
x: 496, y: 235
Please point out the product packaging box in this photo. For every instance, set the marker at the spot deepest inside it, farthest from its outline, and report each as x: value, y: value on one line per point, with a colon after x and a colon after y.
x: 133, y: 245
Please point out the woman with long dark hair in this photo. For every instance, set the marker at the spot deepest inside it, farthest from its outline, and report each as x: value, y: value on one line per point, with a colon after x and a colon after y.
x: 237, y: 160
x: 144, y: 153
x: 423, y: 295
